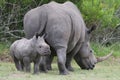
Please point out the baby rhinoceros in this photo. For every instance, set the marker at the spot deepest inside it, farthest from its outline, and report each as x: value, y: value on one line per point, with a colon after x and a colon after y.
x: 25, y: 51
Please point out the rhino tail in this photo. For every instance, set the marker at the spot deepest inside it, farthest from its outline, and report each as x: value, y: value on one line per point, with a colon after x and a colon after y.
x: 43, y: 22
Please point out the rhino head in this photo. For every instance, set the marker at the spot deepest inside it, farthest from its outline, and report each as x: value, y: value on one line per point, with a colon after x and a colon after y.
x: 40, y: 46
x: 85, y: 57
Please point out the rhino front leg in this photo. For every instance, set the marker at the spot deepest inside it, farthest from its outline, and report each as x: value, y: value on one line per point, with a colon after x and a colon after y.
x: 71, y: 55
x: 26, y: 62
x: 36, y: 66
x: 61, y: 54
x: 68, y: 62
x: 42, y: 66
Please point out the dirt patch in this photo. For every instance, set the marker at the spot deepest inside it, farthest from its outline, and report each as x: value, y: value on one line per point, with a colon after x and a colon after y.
x: 5, y: 58
x: 17, y: 75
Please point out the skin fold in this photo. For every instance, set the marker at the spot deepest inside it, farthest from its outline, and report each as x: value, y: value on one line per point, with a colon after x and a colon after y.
x: 25, y: 51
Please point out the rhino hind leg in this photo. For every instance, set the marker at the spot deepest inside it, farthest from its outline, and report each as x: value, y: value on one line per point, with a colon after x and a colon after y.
x: 61, y: 54
x: 49, y: 60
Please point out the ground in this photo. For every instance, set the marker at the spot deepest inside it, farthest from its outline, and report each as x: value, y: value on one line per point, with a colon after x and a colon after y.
x: 107, y: 70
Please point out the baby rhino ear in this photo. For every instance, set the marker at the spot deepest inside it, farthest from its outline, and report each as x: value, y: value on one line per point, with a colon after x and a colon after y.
x: 43, y: 36
x: 37, y: 35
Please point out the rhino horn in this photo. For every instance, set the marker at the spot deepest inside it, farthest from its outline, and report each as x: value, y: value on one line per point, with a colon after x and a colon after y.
x: 100, y: 59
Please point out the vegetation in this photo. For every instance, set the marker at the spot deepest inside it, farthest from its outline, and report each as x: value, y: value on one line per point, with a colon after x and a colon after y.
x: 104, y: 13
x: 100, y: 11
x: 108, y: 70
x: 101, y: 50
x: 3, y: 48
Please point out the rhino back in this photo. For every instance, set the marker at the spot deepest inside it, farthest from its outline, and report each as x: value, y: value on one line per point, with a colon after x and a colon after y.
x: 34, y: 20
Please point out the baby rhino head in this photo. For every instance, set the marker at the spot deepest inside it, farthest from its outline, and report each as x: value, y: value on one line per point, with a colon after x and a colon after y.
x: 41, y: 46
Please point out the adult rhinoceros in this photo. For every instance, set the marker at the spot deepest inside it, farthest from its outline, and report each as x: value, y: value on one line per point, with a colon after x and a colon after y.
x: 66, y: 33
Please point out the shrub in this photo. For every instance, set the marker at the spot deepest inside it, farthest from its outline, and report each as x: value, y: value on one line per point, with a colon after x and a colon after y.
x: 102, y: 13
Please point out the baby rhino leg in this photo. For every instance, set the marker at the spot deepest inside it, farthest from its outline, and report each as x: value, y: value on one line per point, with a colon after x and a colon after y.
x: 17, y: 64
x: 36, y: 65
x: 22, y: 65
x: 42, y: 66
x: 26, y: 61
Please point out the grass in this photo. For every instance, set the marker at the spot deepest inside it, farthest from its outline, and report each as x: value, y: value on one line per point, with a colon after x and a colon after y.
x: 101, y: 50
x: 107, y: 70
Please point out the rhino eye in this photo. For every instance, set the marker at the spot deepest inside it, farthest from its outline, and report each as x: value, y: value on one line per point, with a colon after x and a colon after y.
x: 90, y: 51
x: 40, y: 46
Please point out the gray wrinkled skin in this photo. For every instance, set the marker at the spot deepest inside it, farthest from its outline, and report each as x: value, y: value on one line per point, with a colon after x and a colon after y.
x: 25, y: 51
x: 85, y: 57
x: 66, y: 33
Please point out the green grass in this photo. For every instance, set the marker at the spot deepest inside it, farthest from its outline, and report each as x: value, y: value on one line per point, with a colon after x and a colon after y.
x: 101, y: 50
x: 107, y: 70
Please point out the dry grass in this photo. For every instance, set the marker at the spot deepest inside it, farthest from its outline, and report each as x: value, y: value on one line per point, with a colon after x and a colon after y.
x: 107, y: 70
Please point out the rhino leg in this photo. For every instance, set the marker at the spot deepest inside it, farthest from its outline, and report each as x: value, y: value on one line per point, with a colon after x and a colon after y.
x: 36, y: 65
x: 61, y: 54
x: 49, y: 60
x: 17, y: 64
x: 68, y: 62
x: 26, y: 62
x: 43, y: 66
x: 22, y: 65
x: 71, y: 55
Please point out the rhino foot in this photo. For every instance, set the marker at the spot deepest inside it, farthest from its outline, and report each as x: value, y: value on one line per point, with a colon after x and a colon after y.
x: 49, y: 67
x: 70, y: 68
x: 64, y: 72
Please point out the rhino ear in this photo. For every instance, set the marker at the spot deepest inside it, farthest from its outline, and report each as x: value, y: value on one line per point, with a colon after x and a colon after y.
x: 37, y: 35
x: 43, y: 36
x: 92, y: 28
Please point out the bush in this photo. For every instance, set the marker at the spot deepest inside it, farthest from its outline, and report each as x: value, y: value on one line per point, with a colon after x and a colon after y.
x: 11, y: 16
x: 102, y: 13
